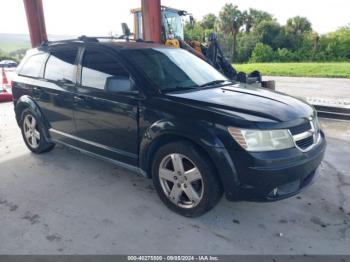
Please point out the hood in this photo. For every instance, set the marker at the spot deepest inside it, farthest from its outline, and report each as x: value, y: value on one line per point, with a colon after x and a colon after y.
x: 256, y: 102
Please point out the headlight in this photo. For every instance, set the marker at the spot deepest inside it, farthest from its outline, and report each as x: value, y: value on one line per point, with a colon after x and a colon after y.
x: 316, y: 124
x: 262, y: 140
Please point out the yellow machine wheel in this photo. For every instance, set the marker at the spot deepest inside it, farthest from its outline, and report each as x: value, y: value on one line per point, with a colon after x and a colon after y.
x: 196, y: 45
x: 173, y: 43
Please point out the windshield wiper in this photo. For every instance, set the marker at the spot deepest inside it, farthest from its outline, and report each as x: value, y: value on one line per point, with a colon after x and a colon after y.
x: 179, y: 88
x: 215, y: 82
x: 206, y: 85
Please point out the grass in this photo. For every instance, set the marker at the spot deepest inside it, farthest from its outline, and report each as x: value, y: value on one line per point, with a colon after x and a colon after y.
x: 341, y: 70
x: 9, y: 47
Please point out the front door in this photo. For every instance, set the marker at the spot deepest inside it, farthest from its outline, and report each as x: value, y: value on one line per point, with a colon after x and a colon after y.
x: 106, y: 122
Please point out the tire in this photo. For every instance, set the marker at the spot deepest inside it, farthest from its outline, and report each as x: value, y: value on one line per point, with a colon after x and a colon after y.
x: 190, y: 190
x: 33, y: 130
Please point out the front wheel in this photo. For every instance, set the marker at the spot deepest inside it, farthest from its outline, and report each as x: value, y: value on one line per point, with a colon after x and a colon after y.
x: 185, y: 179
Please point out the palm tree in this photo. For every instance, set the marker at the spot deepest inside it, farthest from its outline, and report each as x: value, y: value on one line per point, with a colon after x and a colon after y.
x: 231, y: 20
x: 254, y: 17
x: 208, y: 21
x: 248, y: 21
x: 315, y: 41
x: 299, y: 25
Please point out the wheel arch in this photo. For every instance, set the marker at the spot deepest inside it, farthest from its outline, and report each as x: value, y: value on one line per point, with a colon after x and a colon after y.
x: 146, y: 157
x: 209, y: 145
x: 25, y: 102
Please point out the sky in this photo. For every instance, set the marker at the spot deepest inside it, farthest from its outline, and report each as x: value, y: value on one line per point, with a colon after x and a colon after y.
x: 89, y: 17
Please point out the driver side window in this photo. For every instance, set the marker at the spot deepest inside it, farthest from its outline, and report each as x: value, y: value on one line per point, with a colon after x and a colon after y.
x: 104, y: 72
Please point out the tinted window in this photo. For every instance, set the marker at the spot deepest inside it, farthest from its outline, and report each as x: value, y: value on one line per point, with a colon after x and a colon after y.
x: 61, y: 65
x: 98, y: 67
x: 34, y: 65
x: 169, y: 68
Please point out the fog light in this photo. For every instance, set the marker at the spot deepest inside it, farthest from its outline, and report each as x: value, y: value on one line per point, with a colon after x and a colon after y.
x: 285, y: 189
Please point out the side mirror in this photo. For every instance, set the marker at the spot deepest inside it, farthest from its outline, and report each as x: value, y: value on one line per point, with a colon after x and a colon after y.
x: 126, y: 29
x: 118, y: 84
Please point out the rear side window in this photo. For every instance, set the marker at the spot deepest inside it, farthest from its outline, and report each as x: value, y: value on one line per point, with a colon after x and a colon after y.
x: 98, y: 66
x: 61, y: 65
x: 34, y: 65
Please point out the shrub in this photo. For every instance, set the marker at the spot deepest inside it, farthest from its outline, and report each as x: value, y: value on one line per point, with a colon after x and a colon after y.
x: 246, y: 45
x: 262, y: 53
x: 284, y: 55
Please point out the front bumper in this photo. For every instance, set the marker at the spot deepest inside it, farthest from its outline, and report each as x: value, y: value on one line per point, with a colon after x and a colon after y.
x: 270, y: 176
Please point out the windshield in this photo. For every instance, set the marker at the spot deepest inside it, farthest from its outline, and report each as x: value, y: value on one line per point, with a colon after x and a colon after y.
x: 173, y: 22
x: 170, y: 68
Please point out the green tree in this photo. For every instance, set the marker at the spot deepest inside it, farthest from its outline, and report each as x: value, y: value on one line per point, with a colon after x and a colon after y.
x: 231, y: 21
x: 262, y: 53
x: 6, y: 56
x: 294, y: 33
x: 298, y: 25
x: 264, y: 39
x: 193, y: 32
x: 315, y: 42
x: 245, y: 46
x: 254, y: 17
x: 247, y: 21
x: 284, y: 55
x: 336, y: 45
x: 269, y: 33
x: 209, y: 21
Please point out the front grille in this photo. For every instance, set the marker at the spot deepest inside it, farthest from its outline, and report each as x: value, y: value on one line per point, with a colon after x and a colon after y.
x: 305, y: 143
x: 300, y: 128
x: 306, y: 135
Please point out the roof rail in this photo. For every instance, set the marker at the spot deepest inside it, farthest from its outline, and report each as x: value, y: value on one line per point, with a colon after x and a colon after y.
x: 93, y: 39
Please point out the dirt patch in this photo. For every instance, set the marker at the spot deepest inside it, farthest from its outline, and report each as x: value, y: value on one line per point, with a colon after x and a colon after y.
x: 318, y: 221
x: 12, y: 207
x: 32, y: 218
x: 54, y: 237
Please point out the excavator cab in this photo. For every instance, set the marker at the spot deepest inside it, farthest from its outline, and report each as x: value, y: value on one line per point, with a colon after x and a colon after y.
x: 172, y: 23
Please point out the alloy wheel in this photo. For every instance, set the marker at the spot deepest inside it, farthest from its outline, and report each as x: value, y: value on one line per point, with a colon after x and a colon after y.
x: 181, y: 180
x: 31, y: 131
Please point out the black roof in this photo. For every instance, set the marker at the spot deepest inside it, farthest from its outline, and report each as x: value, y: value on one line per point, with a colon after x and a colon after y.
x: 132, y: 45
x: 106, y: 41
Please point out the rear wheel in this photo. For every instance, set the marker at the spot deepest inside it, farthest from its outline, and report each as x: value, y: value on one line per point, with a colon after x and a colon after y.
x: 33, y: 133
x: 185, y: 179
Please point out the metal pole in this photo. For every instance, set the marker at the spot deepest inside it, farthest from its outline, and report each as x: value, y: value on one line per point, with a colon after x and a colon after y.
x: 36, y: 21
x: 151, y: 20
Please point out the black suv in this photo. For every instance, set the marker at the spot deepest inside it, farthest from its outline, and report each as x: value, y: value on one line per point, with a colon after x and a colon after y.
x: 170, y: 116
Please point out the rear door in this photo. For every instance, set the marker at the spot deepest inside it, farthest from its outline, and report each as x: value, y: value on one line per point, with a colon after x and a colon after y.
x: 106, y: 122
x: 55, y: 96
x: 30, y: 74
x: 49, y: 77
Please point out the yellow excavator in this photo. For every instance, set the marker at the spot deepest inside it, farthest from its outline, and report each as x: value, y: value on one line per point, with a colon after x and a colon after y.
x: 172, y: 34
x: 172, y: 29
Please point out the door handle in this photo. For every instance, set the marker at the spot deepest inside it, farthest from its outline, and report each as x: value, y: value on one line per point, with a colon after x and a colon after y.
x: 37, y: 92
x: 78, y: 99
x: 66, y: 83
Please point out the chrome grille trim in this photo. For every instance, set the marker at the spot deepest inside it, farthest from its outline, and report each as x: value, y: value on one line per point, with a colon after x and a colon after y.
x: 314, y: 132
x: 302, y: 136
